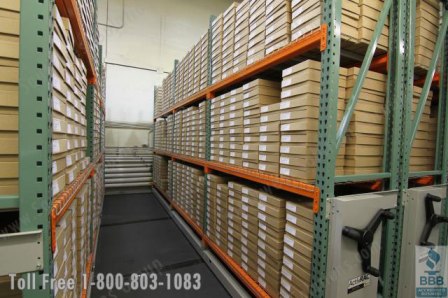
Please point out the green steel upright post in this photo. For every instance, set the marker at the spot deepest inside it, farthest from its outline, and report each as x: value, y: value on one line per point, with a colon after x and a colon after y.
x: 35, y: 129
x: 400, y: 91
x: 443, y: 142
x: 327, y: 150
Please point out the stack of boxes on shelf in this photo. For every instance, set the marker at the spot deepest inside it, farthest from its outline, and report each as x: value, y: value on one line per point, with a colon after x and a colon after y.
x: 257, y: 32
x: 97, y: 122
x: 161, y: 172
x: 69, y: 108
x: 234, y: 223
x: 217, y: 132
x: 88, y: 16
x: 299, y: 113
x: 177, y: 133
x: 190, y: 72
x: 257, y: 94
x: 160, y: 134
x: 65, y: 265
x: 236, y: 136
x: 170, y: 133
x: 278, y: 24
x: 217, y: 45
x: 269, y: 148
x: 369, y: 14
x: 179, y: 92
x: 197, y: 68
x: 241, y: 36
x: 297, y: 249
x: 202, y: 130
x: 198, y: 197
x: 171, y: 178
x: 423, y: 148
x: 365, y: 134
x: 426, y: 28
x: 158, y: 100
x: 9, y: 97
x: 216, y: 215
x: 204, y: 61
x: 228, y: 42
x: 184, y: 150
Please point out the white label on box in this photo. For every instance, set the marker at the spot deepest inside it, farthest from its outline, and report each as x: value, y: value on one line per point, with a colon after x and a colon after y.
x: 230, y: 185
x: 245, y: 267
x: 221, y: 124
x: 233, y: 154
x: 245, y: 190
x: 263, y: 128
x: 262, y: 226
x: 285, y: 171
x: 233, y: 100
x: 221, y: 118
x: 231, y: 193
x: 68, y: 160
x: 285, y: 116
x: 54, y: 167
x: 262, y: 157
x: 245, y: 155
x: 262, y: 207
x: 245, y: 164
x: 261, y: 245
x: 263, y: 197
x: 232, y: 115
x: 287, y: 72
x: 291, y: 218
x: 263, y: 138
x: 245, y: 208
x: 232, y: 108
x: 285, y: 127
x: 262, y: 217
x: 286, y: 82
x: 246, y: 104
x: 288, y: 263
x: 56, y: 104
x: 246, y: 121
x: 262, y: 167
x: 232, y: 131
x: 69, y: 112
x: 291, y: 208
x: 285, y: 105
x: 221, y: 159
x: 291, y: 230
x: 262, y: 147
x: 57, y: 127
x: 286, y: 138
x: 270, y: 29
x: 262, y: 254
x: 222, y: 103
x: 251, y: 51
x: 284, y: 149
x: 263, y: 118
x: 284, y: 160
x: 262, y: 282
x: 56, y: 146
x: 286, y: 285
x: 232, y: 161
x: 270, y: 19
x: 295, y: 2
x: 246, y: 147
x: 286, y: 93
x: 245, y: 199
x: 69, y: 129
x: 244, y: 232
x: 232, y: 123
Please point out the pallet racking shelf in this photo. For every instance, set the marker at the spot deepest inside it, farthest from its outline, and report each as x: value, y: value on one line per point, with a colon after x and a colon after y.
x: 38, y: 210
x: 398, y: 63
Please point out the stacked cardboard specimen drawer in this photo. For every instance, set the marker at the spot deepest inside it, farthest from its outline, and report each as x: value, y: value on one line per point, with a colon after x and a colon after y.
x: 426, y: 28
x: 241, y: 36
x: 170, y: 133
x: 235, y: 112
x: 299, y: 121
x: 257, y: 94
x: 216, y: 138
x: 423, y: 148
x: 269, y: 148
x: 184, y: 150
x: 365, y: 134
x: 177, y: 132
x: 216, y: 214
x: 257, y: 32
x: 170, y: 179
x: 271, y: 224
x: 369, y: 14
x: 217, y: 44
x: 160, y: 137
x: 158, y: 98
x: 228, y: 44
x: 234, y: 224
x: 297, y: 249
x: 278, y: 24
x: 65, y: 255
x: 204, y: 61
x: 179, y: 92
x: 161, y: 172
x: 9, y: 97
x: 88, y: 11
x: 202, y: 130
x: 197, y: 67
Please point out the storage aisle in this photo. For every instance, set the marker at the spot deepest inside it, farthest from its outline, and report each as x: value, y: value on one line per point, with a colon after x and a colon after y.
x: 137, y: 235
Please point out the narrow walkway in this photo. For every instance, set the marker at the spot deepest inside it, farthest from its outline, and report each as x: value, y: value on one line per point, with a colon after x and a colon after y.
x: 138, y: 236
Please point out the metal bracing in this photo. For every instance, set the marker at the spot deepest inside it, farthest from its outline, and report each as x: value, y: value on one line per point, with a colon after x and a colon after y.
x: 35, y: 130
x: 326, y: 143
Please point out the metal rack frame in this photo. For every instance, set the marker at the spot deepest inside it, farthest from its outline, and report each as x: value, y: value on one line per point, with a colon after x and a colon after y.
x: 35, y: 199
x: 400, y: 127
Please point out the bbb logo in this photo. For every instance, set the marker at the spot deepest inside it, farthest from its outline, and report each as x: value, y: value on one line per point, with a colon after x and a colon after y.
x: 433, y: 264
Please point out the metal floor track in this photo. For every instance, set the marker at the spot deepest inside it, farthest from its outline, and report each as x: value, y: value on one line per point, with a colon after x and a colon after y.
x: 139, y: 236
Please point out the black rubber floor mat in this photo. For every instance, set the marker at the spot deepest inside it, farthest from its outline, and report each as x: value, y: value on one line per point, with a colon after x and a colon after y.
x: 119, y: 209
x: 130, y: 248
x: 202, y: 284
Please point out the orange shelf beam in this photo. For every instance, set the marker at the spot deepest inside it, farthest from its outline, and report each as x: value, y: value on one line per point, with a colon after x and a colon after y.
x: 314, y: 40
x: 296, y: 187
x: 242, y: 275
x: 69, y: 9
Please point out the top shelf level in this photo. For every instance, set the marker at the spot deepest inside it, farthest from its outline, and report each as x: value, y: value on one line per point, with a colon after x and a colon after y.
x: 69, y: 9
x: 314, y: 40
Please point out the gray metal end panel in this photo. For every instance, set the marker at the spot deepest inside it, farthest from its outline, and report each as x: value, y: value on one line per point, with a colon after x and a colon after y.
x: 21, y: 252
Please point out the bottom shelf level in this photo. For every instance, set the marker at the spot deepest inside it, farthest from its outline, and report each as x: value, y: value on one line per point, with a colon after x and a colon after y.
x: 239, y: 272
